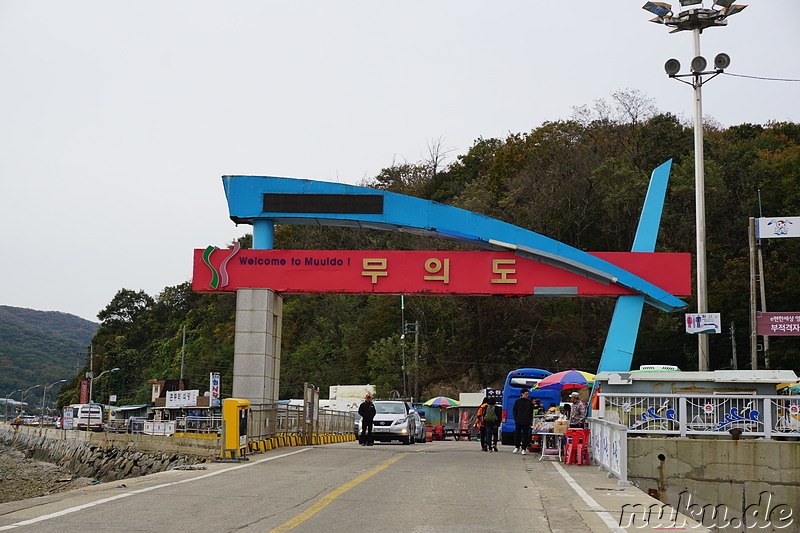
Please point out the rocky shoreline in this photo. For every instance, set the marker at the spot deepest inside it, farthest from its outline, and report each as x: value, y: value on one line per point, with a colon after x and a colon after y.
x: 36, y: 462
x: 22, y: 478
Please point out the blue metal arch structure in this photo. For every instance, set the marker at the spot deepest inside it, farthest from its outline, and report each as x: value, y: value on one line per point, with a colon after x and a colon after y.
x: 396, y: 212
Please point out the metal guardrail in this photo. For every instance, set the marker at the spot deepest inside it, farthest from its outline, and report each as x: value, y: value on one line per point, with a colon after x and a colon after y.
x: 269, y: 420
x: 703, y: 414
x: 265, y: 421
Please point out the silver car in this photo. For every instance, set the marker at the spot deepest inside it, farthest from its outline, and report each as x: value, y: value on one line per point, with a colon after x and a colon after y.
x: 419, y: 423
x: 394, y: 420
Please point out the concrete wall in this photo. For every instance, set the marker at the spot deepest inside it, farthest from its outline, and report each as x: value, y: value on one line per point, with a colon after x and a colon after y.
x: 747, y: 477
x: 109, y: 457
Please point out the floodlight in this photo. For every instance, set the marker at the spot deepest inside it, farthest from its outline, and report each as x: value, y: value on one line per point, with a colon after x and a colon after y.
x: 672, y: 66
x: 685, y: 3
x: 723, y: 3
x: 721, y: 61
x: 698, y: 64
x: 659, y: 9
x: 732, y: 10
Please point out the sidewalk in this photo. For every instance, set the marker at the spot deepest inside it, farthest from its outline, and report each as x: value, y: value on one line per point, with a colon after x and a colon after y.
x: 600, y: 502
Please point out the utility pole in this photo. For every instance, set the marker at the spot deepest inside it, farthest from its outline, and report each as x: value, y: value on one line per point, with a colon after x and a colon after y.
x: 416, y: 360
x: 753, y: 335
x: 734, y: 362
x: 403, y: 342
x: 90, y: 375
x: 183, y: 349
x: 761, y: 284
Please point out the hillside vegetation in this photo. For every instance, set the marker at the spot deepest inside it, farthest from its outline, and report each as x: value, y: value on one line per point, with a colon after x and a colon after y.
x: 581, y: 181
x: 40, y: 347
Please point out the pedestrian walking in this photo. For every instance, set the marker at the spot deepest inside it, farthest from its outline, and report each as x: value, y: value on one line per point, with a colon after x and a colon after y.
x: 523, y: 416
x: 491, y: 423
x: 479, y: 422
x: 367, y: 412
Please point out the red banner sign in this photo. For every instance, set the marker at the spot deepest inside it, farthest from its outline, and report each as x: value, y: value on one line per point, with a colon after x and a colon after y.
x: 778, y: 324
x: 84, y: 392
x: 424, y: 272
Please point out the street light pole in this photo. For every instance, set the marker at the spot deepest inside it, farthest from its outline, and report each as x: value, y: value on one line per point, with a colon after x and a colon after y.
x: 703, y: 358
x: 5, y: 414
x: 91, y: 381
x: 22, y: 399
x: 44, y: 393
x: 697, y: 19
x: 91, y: 384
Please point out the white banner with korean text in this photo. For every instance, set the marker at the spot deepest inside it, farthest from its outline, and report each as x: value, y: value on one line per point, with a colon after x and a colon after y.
x: 182, y: 398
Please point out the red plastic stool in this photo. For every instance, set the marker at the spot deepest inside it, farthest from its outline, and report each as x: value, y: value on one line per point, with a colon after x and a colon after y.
x: 577, y: 449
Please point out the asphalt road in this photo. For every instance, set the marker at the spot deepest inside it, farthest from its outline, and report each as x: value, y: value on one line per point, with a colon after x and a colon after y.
x: 431, y: 487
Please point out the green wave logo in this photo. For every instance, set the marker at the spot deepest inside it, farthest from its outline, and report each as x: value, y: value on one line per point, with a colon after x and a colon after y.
x: 219, y: 278
x: 207, y: 260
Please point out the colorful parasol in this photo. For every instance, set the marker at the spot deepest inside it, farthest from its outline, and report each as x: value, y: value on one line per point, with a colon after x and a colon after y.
x: 441, y: 401
x: 794, y: 387
x: 568, y: 379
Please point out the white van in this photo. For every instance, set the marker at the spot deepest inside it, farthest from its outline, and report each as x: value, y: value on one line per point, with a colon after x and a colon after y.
x: 87, y: 416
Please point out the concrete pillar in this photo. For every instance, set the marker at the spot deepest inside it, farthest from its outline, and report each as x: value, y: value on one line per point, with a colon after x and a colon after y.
x: 257, y: 345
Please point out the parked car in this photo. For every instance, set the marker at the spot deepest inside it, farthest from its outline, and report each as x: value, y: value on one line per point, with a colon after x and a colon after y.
x: 419, y: 424
x: 394, y: 420
x: 357, y: 425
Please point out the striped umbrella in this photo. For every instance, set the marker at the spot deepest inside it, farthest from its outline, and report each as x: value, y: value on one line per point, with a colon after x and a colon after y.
x: 794, y: 387
x: 441, y: 401
x: 568, y: 379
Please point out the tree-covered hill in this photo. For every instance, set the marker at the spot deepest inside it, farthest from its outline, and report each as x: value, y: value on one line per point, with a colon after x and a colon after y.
x: 581, y: 181
x: 40, y: 347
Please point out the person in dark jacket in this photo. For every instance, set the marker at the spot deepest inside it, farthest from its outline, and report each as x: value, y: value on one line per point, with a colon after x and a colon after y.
x: 479, y: 422
x: 491, y: 425
x: 523, y: 416
x: 367, y: 412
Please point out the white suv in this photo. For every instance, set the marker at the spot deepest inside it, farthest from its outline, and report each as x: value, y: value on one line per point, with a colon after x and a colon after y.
x: 393, y: 421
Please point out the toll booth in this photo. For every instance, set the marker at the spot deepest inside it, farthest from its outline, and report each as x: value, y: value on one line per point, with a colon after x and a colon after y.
x: 235, y: 414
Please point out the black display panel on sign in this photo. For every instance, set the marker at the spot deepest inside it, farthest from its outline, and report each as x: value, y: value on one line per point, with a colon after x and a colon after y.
x: 371, y: 204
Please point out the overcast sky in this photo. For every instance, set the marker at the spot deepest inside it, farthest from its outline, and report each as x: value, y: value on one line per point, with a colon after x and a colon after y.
x: 118, y: 118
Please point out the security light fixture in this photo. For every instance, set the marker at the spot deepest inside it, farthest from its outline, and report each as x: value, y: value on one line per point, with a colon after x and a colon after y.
x: 699, y: 64
x: 722, y: 61
x: 732, y: 10
x: 685, y: 3
x: 672, y: 66
x: 659, y: 9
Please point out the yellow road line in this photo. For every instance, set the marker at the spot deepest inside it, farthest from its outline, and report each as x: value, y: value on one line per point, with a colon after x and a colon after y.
x: 328, y: 498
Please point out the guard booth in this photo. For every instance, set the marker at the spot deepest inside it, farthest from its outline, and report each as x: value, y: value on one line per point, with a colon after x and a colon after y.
x: 235, y: 413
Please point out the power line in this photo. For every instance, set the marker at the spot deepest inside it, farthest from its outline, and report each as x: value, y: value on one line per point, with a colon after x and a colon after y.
x: 757, y: 77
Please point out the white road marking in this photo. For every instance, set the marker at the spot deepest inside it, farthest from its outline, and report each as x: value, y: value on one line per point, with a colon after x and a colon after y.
x: 139, y: 491
x: 601, y: 512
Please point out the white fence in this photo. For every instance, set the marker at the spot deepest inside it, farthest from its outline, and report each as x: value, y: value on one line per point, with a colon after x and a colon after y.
x: 702, y: 414
x: 609, y: 446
